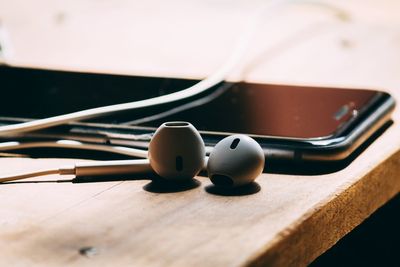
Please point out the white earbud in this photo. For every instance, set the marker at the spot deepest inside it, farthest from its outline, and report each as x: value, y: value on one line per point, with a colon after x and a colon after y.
x: 236, y: 160
x: 177, y: 152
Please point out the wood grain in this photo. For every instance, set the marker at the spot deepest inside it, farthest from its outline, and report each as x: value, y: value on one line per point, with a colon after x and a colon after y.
x: 292, y: 220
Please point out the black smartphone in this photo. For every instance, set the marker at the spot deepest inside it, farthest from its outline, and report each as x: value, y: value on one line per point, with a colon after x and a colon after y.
x: 292, y: 123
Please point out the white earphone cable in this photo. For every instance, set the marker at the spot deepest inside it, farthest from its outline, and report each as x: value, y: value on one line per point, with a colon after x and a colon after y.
x: 71, y: 144
x: 8, y: 178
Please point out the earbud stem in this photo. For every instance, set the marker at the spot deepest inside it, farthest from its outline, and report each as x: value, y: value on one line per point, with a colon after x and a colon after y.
x: 114, y: 167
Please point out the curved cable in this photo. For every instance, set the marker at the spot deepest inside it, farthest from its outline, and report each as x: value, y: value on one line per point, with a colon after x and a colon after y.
x: 175, y: 110
x: 8, y: 178
x: 127, y: 151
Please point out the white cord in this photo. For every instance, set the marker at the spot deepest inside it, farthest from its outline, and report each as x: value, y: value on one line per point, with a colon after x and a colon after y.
x: 200, y: 87
x: 8, y: 178
x: 127, y: 151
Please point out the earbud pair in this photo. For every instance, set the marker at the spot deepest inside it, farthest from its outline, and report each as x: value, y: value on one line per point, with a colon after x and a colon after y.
x: 177, y: 152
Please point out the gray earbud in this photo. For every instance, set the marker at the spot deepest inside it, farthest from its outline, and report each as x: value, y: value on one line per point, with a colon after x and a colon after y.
x: 177, y: 151
x: 236, y: 160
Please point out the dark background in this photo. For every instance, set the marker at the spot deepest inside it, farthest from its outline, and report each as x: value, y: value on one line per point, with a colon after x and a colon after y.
x: 373, y: 243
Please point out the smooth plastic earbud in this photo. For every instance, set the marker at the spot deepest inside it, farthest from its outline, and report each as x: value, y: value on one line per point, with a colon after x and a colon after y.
x: 177, y: 151
x: 235, y: 161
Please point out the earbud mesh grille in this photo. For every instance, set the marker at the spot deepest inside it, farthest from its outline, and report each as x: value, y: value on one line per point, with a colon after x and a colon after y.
x: 179, y: 163
x: 235, y: 143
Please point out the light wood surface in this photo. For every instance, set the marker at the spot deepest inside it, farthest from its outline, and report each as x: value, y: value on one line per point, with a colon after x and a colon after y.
x: 293, y: 218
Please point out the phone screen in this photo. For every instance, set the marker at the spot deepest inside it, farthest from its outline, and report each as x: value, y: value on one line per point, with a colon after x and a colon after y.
x: 257, y: 109
x: 272, y: 110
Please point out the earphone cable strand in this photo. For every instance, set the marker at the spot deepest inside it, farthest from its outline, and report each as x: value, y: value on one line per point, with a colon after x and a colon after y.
x: 8, y: 178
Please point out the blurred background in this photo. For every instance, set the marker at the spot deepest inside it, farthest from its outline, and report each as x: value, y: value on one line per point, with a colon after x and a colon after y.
x: 301, y: 42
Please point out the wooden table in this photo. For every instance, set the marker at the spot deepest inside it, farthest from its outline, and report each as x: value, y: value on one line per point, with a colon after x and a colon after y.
x: 291, y: 221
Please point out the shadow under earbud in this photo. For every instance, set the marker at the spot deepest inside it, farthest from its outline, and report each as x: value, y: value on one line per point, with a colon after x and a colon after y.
x: 244, y: 190
x: 160, y: 185
x: 110, y: 178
